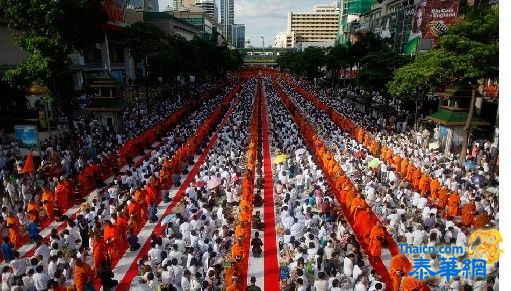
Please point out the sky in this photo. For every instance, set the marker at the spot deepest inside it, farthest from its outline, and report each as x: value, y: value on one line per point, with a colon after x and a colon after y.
x: 263, y: 17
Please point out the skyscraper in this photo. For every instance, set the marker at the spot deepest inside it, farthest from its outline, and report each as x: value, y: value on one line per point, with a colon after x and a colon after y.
x: 238, y: 35
x: 209, y: 7
x: 145, y: 5
x: 227, y: 18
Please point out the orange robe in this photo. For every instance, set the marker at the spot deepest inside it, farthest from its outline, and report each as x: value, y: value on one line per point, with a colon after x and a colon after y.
x: 356, y: 204
x: 376, y: 237
x: 62, y: 193
x: 397, y: 163
x: 404, y: 166
x: 467, y: 216
x: 48, y: 203
x: 82, y: 273
x: 424, y: 184
x: 237, y: 251
x: 98, y: 252
x: 363, y: 223
x: 14, y: 229
x: 442, y: 197
x: 434, y: 187
x: 453, y: 205
x: 481, y: 220
x: 399, y: 263
x: 416, y: 177
x: 111, y: 236
x: 33, y: 211
x: 412, y: 284
x: 122, y: 225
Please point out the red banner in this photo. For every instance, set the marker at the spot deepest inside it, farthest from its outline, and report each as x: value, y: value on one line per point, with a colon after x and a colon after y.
x: 114, y: 9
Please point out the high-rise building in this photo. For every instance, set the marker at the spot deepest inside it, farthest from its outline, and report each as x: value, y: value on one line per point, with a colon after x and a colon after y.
x: 143, y: 5
x: 238, y: 35
x: 285, y: 39
x: 319, y: 26
x: 209, y: 7
x: 179, y: 5
x: 349, y: 12
x: 227, y: 18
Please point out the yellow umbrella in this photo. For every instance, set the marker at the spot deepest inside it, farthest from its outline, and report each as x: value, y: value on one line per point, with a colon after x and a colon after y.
x: 280, y: 159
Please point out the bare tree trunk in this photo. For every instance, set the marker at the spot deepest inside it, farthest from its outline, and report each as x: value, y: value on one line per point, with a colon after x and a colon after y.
x: 466, y: 133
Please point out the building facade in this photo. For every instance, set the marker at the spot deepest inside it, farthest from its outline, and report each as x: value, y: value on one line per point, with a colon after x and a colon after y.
x: 198, y: 18
x: 227, y: 18
x: 144, y: 5
x: 238, y: 35
x: 349, y: 13
x: 210, y: 7
x: 319, y: 26
x: 285, y: 40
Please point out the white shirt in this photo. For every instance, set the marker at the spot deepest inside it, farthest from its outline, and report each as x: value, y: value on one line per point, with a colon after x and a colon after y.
x: 360, y: 287
x: 41, y: 281
x: 348, y: 267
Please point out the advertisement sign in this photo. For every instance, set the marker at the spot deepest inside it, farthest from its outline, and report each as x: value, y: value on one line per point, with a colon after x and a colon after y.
x: 27, y: 137
x: 115, y: 11
x: 432, y: 18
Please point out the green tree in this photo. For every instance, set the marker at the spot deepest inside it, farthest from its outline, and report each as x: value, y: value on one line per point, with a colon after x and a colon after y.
x: 465, y: 54
x: 50, y: 31
x: 143, y: 40
x: 376, y: 68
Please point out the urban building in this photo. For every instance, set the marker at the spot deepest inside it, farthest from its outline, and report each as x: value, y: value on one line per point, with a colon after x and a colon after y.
x: 285, y: 40
x: 238, y: 35
x: 349, y: 12
x: 179, y: 5
x: 197, y: 17
x: 167, y: 22
x: 210, y: 7
x: 144, y: 5
x: 319, y: 26
x: 227, y: 18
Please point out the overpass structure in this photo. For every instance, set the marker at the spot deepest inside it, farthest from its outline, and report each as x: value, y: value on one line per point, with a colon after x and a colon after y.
x: 262, y: 56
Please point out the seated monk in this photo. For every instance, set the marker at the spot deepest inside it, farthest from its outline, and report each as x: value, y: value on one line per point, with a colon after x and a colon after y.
x: 48, y: 203
x: 443, y: 196
x: 424, y: 185
x: 412, y: 284
x: 397, y: 163
x: 467, y: 214
x: 62, y: 195
x: 404, y: 166
x: 453, y: 205
x: 481, y: 220
x: 13, y: 224
x: 356, y: 204
x: 376, y: 238
x: 434, y: 187
x: 33, y: 210
x: 237, y: 251
x: 415, y: 178
x: 400, y: 267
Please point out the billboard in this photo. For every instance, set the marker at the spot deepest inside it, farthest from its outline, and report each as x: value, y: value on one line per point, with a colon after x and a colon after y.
x: 27, y: 137
x: 115, y: 11
x: 432, y: 18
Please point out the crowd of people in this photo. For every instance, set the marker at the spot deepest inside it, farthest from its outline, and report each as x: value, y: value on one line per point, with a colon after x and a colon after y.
x: 419, y: 195
x: 317, y: 247
x: 408, y: 214
x: 97, y: 235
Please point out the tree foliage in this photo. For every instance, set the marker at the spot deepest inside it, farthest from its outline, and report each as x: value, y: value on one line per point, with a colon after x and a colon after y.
x: 50, y: 31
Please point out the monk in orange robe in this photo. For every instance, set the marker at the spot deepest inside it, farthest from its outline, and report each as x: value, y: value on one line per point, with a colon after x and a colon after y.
x: 443, y: 195
x: 397, y: 163
x: 363, y: 224
x: 376, y: 237
x: 98, y: 251
x: 33, y: 210
x: 237, y: 251
x: 62, y: 194
x: 453, y: 205
x: 409, y: 172
x: 82, y: 273
x: 356, y: 204
x: 415, y: 178
x: 434, y: 187
x: 412, y: 284
x: 48, y: 203
x: 404, y: 166
x: 424, y: 185
x: 111, y: 236
x: 122, y: 225
x: 481, y: 220
x: 134, y: 214
x: 400, y: 267
x: 467, y: 214
x: 14, y: 225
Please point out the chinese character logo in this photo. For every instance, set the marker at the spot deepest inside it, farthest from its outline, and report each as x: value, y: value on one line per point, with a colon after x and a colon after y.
x: 484, y: 244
